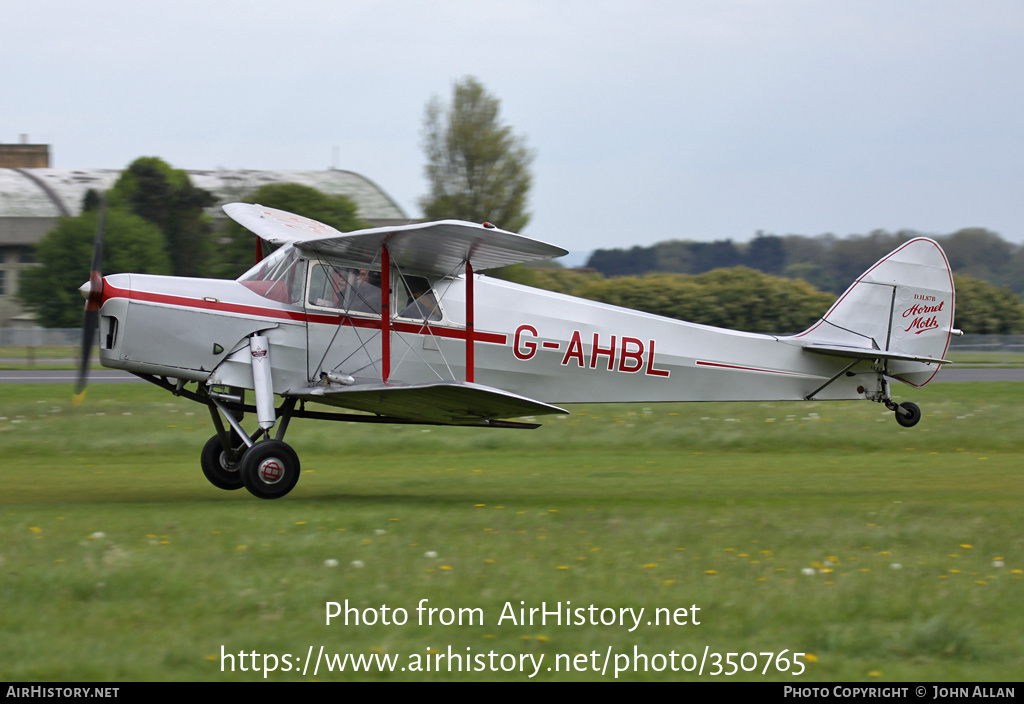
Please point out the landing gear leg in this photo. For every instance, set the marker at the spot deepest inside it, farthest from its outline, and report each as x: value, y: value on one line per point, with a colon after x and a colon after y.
x: 267, y: 467
x: 907, y: 414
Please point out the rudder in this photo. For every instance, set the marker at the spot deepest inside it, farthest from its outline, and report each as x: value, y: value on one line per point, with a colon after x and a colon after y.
x: 903, y: 304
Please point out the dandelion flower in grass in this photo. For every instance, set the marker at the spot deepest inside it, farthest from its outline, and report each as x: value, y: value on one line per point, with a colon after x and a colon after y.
x: 810, y: 657
x: 710, y: 571
x: 650, y: 565
x: 562, y: 567
x: 446, y: 568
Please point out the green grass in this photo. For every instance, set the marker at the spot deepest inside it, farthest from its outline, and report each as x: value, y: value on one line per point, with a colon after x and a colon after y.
x: 120, y: 562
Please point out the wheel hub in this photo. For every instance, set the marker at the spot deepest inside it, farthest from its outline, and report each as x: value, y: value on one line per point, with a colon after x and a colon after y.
x: 270, y: 470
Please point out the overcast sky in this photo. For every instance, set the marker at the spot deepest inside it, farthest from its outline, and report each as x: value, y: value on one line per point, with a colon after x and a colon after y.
x: 651, y: 119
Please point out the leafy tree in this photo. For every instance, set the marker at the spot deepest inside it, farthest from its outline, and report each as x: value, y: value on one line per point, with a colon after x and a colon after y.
x: 477, y: 169
x: 766, y: 253
x: 738, y: 298
x: 624, y: 262
x: 235, y: 252
x: 65, y: 255
x: 151, y: 189
x: 979, y: 253
x: 719, y: 254
x: 985, y: 309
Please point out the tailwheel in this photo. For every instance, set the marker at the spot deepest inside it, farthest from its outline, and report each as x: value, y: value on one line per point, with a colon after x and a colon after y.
x: 220, y: 466
x: 908, y: 414
x: 269, y: 469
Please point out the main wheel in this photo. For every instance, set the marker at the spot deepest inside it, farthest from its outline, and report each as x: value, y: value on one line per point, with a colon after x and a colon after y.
x: 912, y: 417
x: 217, y: 464
x: 269, y: 469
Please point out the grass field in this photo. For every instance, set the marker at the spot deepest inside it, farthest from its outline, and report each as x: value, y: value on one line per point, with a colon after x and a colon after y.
x: 820, y: 528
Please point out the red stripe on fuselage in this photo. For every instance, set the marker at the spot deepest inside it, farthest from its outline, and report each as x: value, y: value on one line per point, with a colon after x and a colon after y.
x: 719, y: 365
x: 110, y: 292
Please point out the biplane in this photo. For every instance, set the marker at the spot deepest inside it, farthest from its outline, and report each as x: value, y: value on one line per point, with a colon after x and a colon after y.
x: 398, y: 325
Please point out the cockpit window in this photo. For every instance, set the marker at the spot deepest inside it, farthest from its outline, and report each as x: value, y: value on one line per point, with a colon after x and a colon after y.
x: 357, y: 290
x: 347, y: 289
x: 279, y: 277
x: 416, y: 299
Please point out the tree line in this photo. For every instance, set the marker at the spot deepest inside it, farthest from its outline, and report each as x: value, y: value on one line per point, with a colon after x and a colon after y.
x: 827, y: 262
x: 988, y: 271
x: 742, y: 298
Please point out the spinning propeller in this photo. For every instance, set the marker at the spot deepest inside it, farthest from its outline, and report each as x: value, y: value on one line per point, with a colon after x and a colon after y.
x: 93, y: 293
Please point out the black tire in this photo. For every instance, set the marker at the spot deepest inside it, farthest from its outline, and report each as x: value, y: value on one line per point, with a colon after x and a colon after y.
x: 219, y: 470
x: 908, y: 421
x: 270, y: 469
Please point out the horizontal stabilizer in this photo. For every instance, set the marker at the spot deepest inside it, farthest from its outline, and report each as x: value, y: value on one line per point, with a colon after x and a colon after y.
x: 428, y: 248
x: 868, y: 353
x: 447, y: 403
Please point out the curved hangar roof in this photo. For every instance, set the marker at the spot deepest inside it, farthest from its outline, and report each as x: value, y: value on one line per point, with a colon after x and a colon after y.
x: 44, y: 193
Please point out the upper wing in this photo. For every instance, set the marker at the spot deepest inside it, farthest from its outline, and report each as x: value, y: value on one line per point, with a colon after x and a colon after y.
x: 448, y: 402
x: 428, y: 248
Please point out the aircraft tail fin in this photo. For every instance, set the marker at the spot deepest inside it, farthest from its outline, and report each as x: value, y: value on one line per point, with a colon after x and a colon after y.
x: 902, y: 307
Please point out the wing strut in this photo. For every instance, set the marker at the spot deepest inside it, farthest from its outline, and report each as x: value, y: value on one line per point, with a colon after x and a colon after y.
x: 385, y: 312
x: 385, y: 317
x: 470, y: 355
